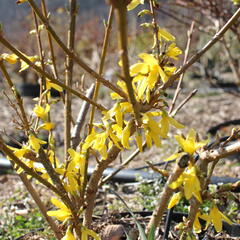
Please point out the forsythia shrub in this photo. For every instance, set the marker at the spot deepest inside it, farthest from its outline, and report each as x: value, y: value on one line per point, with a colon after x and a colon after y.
x: 139, y: 113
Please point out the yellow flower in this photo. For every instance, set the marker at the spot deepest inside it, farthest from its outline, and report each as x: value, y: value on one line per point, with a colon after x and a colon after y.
x: 78, y: 162
x: 190, y: 145
x: 35, y: 142
x: 173, y: 51
x: 68, y: 235
x: 10, y: 58
x: 215, y: 217
x: 41, y: 112
x: 134, y: 3
x: 175, y: 200
x: 190, y: 183
x: 149, y: 67
x: 62, y: 214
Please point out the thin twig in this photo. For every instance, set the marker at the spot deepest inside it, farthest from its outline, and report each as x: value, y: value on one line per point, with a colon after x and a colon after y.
x: 178, y: 90
x: 102, y: 62
x: 53, y: 58
x: 121, y: 8
x: 184, y: 102
x: 155, y: 28
x: 69, y: 78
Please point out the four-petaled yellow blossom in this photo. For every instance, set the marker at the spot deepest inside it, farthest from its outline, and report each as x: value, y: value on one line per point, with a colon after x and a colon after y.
x: 134, y: 3
x: 63, y: 213
x: 42, y: 112
x: 190, y: 182
x: 35, y: 143
x: 173, y: 51
x: 190, y: 144
x: 215, y: 217
x: 147, y: 73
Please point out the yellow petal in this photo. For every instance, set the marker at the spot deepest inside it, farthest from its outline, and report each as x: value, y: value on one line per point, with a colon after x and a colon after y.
x: 175, y: 200
x: 68, y: 235
x: 162, y: 33
x: 50, y: 85
x: 173, y: 157
x: 91, y: 233
x: 152, y: 77
x: 148, y: 58
x: 173, y: 51
x: 126, y: 135
x: 47, y: 126
x: 142, y: 87
x: 35, y: 142
x: 162, y: 74
x: 59, y: 204
x: 175, y: 123
x: 139, y: 141
x: 59, y: 214
x: 133, y: 4
x: 139, y: 68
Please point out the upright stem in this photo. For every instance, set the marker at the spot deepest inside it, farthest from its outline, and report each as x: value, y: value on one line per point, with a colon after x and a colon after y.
x: 69, y: 76
x: 121, y: 8
x: 102, y: 62
x: 53, y: 58
x: 155, y: 28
